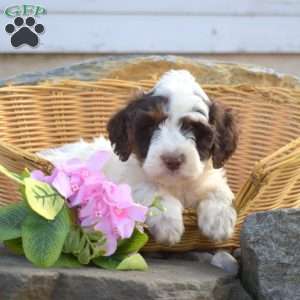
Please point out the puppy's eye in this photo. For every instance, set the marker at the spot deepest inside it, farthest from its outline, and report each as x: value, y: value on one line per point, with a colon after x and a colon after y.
x: 186, y: 126
x: 196, y: 131
x: 187, y: 130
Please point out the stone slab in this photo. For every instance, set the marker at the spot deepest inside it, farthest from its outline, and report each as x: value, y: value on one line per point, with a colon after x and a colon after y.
x: 165, y: 279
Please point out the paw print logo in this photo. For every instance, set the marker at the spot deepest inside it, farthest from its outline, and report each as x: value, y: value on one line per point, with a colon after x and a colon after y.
x: 24, y: 33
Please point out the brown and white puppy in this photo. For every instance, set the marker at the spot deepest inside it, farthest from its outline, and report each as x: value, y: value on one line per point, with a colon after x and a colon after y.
x: 174, y: 142
x: 171, y: 143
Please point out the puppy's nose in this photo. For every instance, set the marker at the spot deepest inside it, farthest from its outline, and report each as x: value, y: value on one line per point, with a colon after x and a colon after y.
x: 172, y: 161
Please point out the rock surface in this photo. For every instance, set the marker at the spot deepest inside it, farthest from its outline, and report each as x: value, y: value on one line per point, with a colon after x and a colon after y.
x: 166, y: 279
x: 139, y: 67
x: 196, y: 256
x: 231, y: 291
x: 225, y: 261
x: 270, y: 254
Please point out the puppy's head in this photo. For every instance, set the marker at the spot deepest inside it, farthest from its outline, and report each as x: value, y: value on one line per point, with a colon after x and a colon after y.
x: 174, y: 130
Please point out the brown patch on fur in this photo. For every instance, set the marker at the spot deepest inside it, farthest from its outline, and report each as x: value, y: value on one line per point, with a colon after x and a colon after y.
x: 144, y: 126
x: 204, y: 136
x: 131, y: 129
x: 223, y: 120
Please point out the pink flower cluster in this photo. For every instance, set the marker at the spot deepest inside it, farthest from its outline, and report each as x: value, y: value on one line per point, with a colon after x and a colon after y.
x: 102, y: 204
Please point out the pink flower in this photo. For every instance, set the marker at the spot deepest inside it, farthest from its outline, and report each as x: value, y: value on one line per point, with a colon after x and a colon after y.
x: 110, y: 209
x: 67, y: 177
x: 102, y: 204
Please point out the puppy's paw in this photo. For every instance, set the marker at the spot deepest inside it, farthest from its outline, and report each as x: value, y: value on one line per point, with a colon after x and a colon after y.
x: 216, y: 221
x: 167, y: 231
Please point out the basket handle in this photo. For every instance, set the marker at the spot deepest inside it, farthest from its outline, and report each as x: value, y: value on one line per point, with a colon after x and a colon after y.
x: 285, y: 160
x: 17, y: 159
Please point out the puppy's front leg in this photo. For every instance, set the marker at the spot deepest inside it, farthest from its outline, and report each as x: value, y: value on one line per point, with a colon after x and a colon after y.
x: 216, y: 216
x: 165, y: 226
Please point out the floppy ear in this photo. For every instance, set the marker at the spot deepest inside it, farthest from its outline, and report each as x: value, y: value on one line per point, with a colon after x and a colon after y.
x: 118, y: 132
x: 131, y: 128
x: 226, y: 138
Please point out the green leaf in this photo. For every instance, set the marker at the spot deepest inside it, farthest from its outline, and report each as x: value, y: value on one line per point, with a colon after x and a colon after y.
x: 67, y: 261
x: 11, y: 218
x: 134, y: 243
x: 85, y: 245
x: 84, y: 256
x: 15, y: 246
x: 133, y: 262
x: 72, y: 241
x: 25, y: 173
x: 43, y: 240
x: 157, y: 203
x: 122, y: 263
x: 95, y: 236
x: 156, y: 208
x: 11, y: 175
x: 42, y: 198
x: 108, y: 262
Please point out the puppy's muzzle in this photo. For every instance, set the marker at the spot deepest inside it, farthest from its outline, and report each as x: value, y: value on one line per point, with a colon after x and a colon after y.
x: 173, y: 161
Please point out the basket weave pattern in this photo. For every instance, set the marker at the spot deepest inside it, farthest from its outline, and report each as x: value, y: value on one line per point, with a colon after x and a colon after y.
x: 264, y: 173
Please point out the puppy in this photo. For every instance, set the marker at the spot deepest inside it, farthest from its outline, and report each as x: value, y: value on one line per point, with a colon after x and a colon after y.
x: 172, y: 143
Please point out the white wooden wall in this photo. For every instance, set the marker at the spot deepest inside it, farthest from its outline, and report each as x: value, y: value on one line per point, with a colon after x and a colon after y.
x: 164, y: 26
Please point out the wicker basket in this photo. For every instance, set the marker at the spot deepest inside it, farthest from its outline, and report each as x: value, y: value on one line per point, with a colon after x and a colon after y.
x: 264, y: 173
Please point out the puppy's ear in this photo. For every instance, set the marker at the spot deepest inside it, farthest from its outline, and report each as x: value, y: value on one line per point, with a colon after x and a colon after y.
x: 226, y: 138
x: 130, y: 130
x: 118, y: 132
